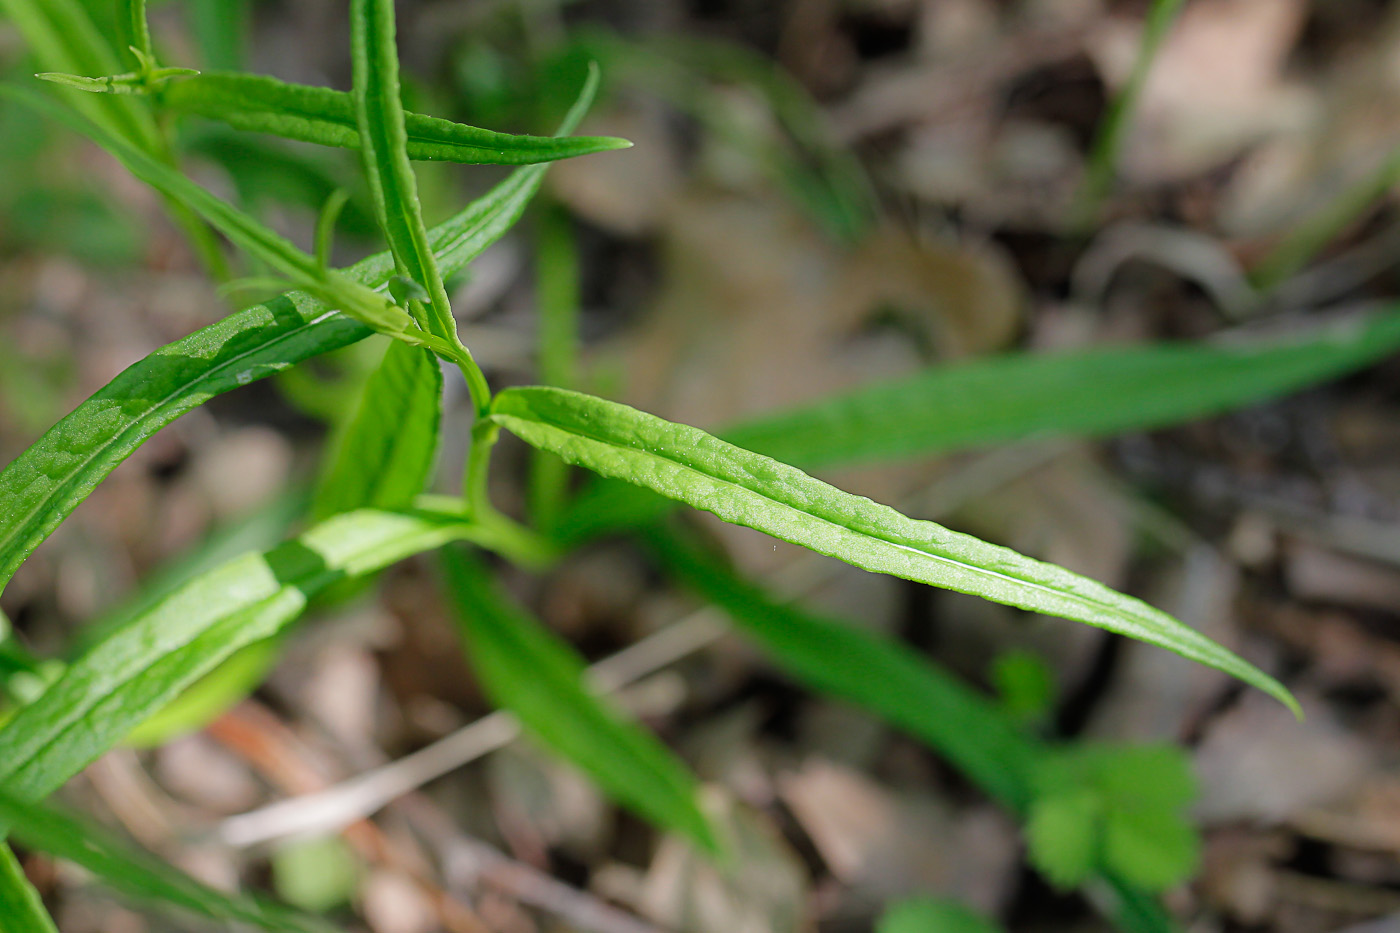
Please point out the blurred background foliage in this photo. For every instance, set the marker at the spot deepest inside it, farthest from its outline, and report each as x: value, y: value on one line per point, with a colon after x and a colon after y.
x: 823, y: 193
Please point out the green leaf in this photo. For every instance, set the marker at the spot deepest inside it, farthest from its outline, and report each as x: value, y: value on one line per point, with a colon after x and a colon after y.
x: 1139, y: 822
x: 135, y: 873
x: 1025, y: 685
x: 885, y: 677
x: 1095, y: 392
x: 1153, y: 847
x: 221, y: 29
x: 933, y: 915
x: 64, y: 39
x: 557, y: 295
x: 527, y: 670
x: 1018, y: 397
x: 327, y: 117
x: 343, y: 292
x: 1062, y: 836
x: 746, y: 488
x: 379, y: 119
x: 269, y: 170
x: 21, y: 908
x: 383, y: 457
x: 43, y: 485
x: 210, y: 697
x: 139, y: 668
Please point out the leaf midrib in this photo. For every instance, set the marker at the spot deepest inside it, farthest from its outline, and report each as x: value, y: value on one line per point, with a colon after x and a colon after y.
x: 177, y: 392
x: 8, y: 540
x: 583, y: 432
x: 304, y: 109
x: 79, y: 712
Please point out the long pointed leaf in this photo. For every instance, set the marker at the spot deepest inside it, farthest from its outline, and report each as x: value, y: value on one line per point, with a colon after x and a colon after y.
x: 21, y: 908
x: 139, y: 668
x: 1089, y: 393
x: 327, y: 117
x: 1011, y: 398
x: 383, y: 458
x: 135, y: 873
x: 746, y: 488
x: 383, y: 150
x: 883, y: 676
x: 42, y: 486
x: 527, y: 670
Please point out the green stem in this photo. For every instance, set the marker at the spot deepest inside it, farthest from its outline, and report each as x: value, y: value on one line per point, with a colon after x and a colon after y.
x: 1103, y: 156
x: 557, y: 298
x: 1298, y: 247
x: 474, y: 486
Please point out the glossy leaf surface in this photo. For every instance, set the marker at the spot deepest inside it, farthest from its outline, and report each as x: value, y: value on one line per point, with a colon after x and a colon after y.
x: 141, y: 666
x: 327, y: 117
x: 383, y: 457
x: 21, y: 908
x: 1019, y: 397
x: 746, y: 488
x: 43, y: 485
x: 880, y: 675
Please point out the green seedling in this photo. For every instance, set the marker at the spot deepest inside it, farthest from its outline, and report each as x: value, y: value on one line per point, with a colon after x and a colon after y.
x: 1094, y: 818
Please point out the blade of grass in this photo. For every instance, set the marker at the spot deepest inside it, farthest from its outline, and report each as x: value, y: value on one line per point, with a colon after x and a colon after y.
x: 746, y: 488
x: 1108, y: 143
x: 1305, y: 241
x: 21, y: 908
x: 823, y: 176
x: 1089, y: 393
x: 135, y: 873
x: 383, y: 456
x: 525, y: 669
x: 1003, y: 399
x: 142, y: 666
x: 327, y: 117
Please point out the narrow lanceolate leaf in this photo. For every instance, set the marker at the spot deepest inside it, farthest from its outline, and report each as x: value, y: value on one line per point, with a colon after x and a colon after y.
x: 1096, y: 392
x: 526, y: 670
x: 135, y: 873
x: 379, y: 120
x: 1013, y: 398
x: 746, y: 488
x: 327, y: 117
x: 42, y: 486
x: 143, y: 665
x: 883, y: 676
x: 21, y: 908
x: 383, y: 456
